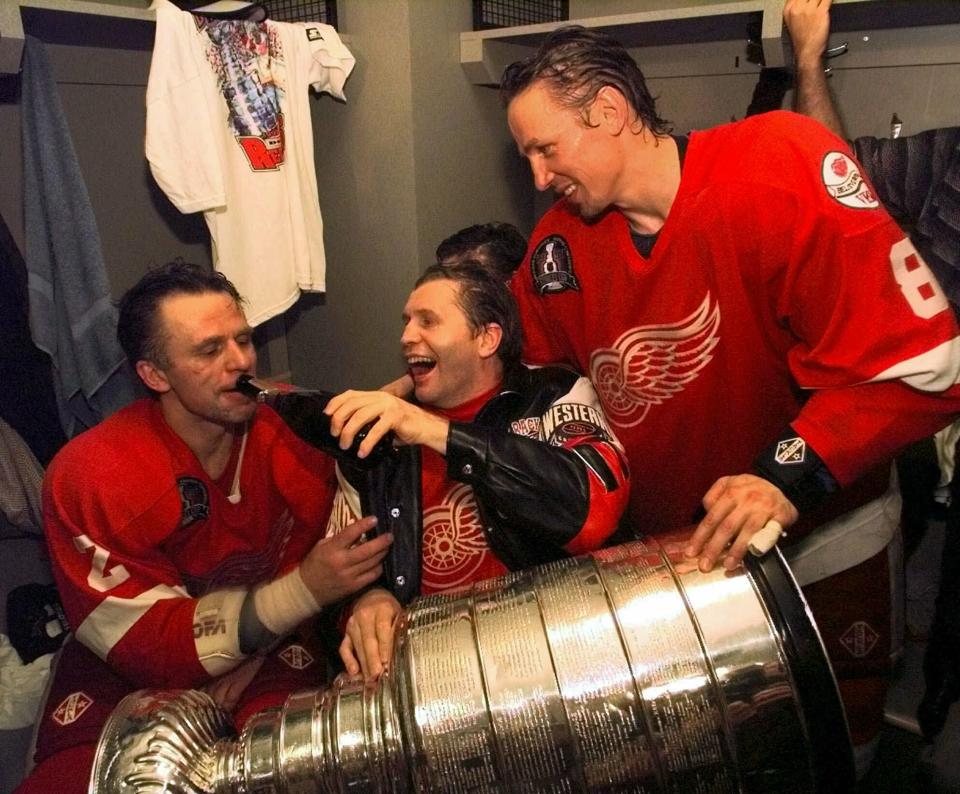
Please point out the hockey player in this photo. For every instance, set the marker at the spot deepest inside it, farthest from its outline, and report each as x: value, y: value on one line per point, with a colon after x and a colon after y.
x: 503, y: 467
x: 185, y: 532
x: 760, y: 333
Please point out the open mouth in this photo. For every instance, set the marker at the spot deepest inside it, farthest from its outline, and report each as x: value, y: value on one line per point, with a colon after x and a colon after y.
x: 419, y: 366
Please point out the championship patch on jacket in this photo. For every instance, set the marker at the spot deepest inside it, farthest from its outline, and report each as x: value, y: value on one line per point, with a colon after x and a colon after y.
x: 194, y: 501
x: 844, y: 182
x: 570, y: 421
x: 552, y: 266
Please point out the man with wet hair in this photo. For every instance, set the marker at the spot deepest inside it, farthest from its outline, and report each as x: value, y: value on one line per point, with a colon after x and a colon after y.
x: 762, y: 336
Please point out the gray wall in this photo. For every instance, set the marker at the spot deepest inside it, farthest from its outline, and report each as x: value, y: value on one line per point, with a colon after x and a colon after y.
x: 415, y: 154
x: 102, y: 93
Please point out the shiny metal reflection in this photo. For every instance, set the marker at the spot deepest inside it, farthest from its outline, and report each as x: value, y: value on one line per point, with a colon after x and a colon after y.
x: 625, y: 671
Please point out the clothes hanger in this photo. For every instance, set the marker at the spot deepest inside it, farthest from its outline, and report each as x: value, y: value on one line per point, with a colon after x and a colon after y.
x: 224, y: 9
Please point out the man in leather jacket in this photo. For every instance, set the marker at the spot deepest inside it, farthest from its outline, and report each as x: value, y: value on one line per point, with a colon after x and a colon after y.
x: 499, y: 467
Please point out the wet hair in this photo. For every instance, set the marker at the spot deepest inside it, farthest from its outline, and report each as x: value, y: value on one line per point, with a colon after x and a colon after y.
x: 138, y: 327
x: 574, y: 63
x: 499, y: 246
x: 484, y: 298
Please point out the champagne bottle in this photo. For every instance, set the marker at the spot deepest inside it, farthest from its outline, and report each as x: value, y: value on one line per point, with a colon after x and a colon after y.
x: 302, y: 411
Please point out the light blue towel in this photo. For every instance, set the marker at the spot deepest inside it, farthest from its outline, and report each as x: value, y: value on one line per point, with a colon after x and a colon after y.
x: 72, y: 317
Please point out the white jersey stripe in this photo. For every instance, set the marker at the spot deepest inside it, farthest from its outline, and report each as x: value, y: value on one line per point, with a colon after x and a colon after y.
x: 114, y: 617
x: 933, y: 371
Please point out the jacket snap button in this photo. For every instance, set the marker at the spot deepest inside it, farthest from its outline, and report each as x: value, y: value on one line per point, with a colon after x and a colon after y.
x: 394, y: 512
x: 467, y: 469
x: 401, y: 581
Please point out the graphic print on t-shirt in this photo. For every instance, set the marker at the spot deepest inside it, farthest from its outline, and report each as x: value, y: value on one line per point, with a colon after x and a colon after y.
x: 247, y: 59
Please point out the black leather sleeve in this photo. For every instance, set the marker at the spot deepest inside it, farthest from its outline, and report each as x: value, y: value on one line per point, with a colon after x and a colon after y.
x: 542, y: 488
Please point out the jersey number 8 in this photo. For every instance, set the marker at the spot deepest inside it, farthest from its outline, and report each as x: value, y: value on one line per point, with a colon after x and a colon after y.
x: 917, y: 283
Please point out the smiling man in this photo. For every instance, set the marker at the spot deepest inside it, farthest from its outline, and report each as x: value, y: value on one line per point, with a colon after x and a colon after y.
x: 185, y: 531
x: 501, y: 468
x: 763, y: 337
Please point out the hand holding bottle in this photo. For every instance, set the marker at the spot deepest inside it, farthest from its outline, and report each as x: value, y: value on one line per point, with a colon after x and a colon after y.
x: 381, y: 413
x: 338, y: 565
x: 303, y: 412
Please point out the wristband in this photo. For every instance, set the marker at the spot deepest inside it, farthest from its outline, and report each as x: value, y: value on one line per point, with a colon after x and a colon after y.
x: 792, y: 465
x: 284, y: 603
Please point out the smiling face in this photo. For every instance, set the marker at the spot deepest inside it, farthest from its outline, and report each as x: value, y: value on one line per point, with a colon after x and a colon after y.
x: 577, y: 161
x: 207, y: 343
x: 449, y: 362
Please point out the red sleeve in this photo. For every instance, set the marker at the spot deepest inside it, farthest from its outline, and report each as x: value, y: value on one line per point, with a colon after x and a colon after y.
x: 876, y: 341
x: 588, y: 435
x: 124, y: 600
x: 540, y: 346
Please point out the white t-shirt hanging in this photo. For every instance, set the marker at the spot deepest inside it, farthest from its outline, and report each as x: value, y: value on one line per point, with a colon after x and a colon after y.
x: 229, y: 134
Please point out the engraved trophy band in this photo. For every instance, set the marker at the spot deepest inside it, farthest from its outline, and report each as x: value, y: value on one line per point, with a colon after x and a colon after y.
x: 627, y: 670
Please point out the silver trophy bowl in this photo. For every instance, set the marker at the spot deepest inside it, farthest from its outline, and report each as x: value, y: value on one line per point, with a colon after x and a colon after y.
x: 627, y: 670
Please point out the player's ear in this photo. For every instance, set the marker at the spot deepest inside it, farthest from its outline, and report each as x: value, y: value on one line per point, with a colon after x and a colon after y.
x: 489, y: 340
x: 152, y: 376
x: 609, y: 110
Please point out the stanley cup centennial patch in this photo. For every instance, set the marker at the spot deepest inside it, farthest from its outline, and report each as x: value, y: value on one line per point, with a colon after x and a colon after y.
x: 552, y: 266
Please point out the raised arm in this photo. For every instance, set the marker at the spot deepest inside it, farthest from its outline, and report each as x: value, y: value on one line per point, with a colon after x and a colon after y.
x: 808, y: 22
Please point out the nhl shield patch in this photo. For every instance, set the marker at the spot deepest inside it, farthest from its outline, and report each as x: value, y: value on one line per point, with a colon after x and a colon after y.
x: 552, y: 266
x: 297, y: 657
x: 844, y: 182
x: 71, y: 708
x: 859, y: 639
x: 790, y: 450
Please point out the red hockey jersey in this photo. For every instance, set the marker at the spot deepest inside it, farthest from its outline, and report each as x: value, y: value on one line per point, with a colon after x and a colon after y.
x: 138, y: 532
x: 778, y: 292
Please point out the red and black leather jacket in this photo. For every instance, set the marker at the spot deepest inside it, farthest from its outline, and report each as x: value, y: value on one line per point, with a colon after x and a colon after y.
x: 550, y: 478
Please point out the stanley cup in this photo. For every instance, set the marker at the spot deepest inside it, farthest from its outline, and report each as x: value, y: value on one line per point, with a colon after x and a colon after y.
x: 627, y: 670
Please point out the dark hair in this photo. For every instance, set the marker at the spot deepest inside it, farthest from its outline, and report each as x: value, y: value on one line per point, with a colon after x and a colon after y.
x: 499, y: 246
x: 138, y: 327
x: 484, y: 298
x: 575, y: 63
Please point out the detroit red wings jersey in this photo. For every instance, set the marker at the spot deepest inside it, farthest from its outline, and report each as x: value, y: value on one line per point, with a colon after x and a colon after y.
x: 775, y: 277
x: 137, y: 532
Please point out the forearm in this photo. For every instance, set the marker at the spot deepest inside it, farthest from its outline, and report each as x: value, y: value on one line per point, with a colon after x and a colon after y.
x: 812, y: 96
x: 273, y: 610
x: 854, y: 429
